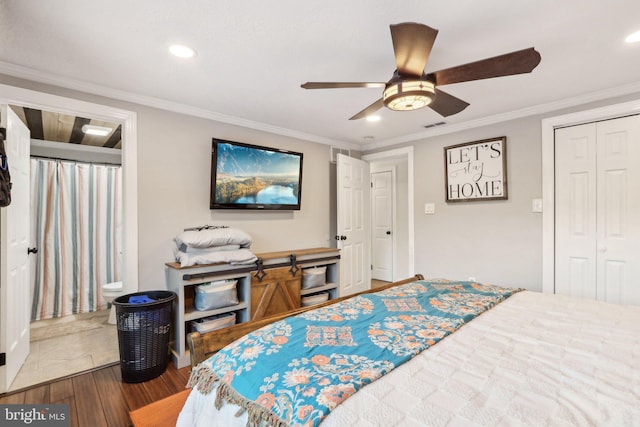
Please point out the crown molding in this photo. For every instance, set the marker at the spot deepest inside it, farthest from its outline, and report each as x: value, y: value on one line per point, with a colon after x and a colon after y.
x: 149, y: 101
x: 91, y: 88
x: 517, y: 114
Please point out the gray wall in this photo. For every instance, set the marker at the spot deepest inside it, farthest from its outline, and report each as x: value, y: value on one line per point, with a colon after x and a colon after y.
x: 498, y: 242
x: 494, y: 241
x: 173, y: 184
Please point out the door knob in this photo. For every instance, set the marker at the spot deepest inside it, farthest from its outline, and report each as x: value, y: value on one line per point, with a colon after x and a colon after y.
x: 32, y: 251
x: 388, y: 232
x: 343, y: 237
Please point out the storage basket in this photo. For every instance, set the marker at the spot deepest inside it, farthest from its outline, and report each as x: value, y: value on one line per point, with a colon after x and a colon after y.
x: 314, y: 277
x: 143, y: 334
x: 314, y: 299
x: 212, y: 295
x: 212, y: 323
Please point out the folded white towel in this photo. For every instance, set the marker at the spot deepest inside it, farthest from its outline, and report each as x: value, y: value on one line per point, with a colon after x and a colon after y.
x: 191, y: 250
x: 214, y: 237
x: 240, y: 256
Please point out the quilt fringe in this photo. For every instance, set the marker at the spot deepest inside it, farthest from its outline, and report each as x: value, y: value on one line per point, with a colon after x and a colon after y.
x: 204, y: 379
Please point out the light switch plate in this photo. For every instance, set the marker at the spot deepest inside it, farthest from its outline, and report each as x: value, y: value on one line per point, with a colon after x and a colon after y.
x: 429, y: 208
x: 536, y: 205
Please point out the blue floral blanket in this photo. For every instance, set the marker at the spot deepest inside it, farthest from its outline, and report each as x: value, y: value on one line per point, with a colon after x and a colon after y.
x: 295, y: 371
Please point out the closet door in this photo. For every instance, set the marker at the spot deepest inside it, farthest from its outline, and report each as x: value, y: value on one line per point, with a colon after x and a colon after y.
x: 618, y: 211
x: 598, y: 210
x: 576, y: 200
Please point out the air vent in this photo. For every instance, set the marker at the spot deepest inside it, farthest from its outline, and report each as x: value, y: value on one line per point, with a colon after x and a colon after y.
x: 434, y: 125
x: 337, y: 150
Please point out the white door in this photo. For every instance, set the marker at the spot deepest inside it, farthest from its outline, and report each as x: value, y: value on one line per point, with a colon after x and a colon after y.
x: 618, y: 212
x: 576, y: 211
x: 352, y: 179
x: 14, y: 259
x: 598, y: 211
x: 382, y: 226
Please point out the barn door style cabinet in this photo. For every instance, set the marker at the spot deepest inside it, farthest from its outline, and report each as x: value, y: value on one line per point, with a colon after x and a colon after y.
x: 276, y: 292
x: 273, y: 285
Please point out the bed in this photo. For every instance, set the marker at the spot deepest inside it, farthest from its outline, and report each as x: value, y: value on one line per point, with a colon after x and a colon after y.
x: 530, y: 359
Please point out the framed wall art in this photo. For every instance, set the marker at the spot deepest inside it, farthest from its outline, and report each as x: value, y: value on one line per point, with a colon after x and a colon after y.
x: 476, y: 171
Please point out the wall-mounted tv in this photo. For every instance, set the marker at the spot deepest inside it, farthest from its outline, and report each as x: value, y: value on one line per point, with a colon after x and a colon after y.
x: 245, y: 176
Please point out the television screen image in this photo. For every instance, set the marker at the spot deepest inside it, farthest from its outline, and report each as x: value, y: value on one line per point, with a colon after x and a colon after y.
x: 245, y: 176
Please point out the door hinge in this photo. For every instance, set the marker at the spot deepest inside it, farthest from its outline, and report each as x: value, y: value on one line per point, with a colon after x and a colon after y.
x: 3, y: 359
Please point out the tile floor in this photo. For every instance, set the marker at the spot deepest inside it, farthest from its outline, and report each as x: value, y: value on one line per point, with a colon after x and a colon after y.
x: 68, y: 345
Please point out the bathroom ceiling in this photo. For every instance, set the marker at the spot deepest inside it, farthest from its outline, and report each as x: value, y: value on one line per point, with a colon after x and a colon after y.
x: 58, y: 127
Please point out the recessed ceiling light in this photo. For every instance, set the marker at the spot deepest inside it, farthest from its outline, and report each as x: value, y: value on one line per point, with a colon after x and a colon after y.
x: 633, y: 37
x: 373, y: 118
x: 182, y: 51
x: 96, y: 130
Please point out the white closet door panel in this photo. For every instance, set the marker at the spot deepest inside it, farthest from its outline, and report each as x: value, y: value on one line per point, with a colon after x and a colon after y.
x: 618, y: 211
x: 576, y: 211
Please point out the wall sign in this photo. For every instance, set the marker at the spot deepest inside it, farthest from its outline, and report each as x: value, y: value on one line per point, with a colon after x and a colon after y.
x: 476, y: 170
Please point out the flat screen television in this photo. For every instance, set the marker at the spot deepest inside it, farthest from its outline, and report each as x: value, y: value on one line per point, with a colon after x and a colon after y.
x: 245, y: 176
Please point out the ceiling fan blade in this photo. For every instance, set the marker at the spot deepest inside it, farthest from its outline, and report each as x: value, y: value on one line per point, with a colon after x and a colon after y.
x: 340, y: 85
x: 412, y: 44
x: 519, y: 62
x: 446, y: 104
x: 369, y: 110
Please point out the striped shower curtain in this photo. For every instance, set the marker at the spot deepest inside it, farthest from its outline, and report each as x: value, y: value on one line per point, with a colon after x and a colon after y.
x: 76, y: 211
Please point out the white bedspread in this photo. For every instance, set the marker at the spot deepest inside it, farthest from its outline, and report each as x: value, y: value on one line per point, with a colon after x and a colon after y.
x: 533, y: 360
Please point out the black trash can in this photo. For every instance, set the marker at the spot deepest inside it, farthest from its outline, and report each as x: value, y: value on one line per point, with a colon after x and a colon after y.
x: 144, y: 329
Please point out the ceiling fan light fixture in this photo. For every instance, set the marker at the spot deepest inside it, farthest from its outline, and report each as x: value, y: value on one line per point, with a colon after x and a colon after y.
x: 408, y: 95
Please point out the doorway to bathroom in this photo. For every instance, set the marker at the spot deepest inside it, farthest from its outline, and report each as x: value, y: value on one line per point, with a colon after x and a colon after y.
x: 76, y: 243
x: 67, y: 326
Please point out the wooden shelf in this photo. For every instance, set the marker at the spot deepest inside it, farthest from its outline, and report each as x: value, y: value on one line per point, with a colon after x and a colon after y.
x: 193, y: 314
x: 279, y: 292
x: 326, y: 287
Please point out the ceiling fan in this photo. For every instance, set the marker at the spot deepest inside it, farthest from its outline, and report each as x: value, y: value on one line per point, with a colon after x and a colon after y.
x: 411, y: 88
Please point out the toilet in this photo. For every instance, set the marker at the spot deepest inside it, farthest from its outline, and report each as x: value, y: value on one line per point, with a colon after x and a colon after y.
x: 110, y: 291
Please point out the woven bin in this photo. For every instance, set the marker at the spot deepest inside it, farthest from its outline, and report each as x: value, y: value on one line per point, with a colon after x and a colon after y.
x: 143, y: 335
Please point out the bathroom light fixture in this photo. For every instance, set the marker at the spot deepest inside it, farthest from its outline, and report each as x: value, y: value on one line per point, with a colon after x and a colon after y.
x: 96, y: 130
x: 182, y: 51
x: 633, y: 37
x: 406, y: 95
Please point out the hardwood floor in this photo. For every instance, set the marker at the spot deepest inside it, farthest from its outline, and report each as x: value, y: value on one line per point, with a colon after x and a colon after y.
x: 375, y: 283
x: 99, y: 398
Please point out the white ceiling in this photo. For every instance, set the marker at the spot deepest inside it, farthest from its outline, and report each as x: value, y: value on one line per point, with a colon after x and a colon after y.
x: 253, y: 55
